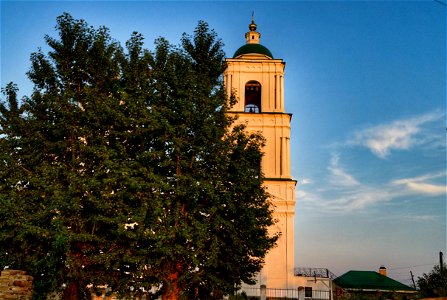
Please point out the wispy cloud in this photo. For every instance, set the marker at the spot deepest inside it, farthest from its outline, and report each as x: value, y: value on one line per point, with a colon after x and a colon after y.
x: 347, y: 201
x: 420, y: 185
x: 409, y: 217
x: 423, y: 218
x: 398, y: 135
x: 345, y: 193
x: 351, y: 193
x: 338, y: 176
x: 343, y: 190
x: 360, y: 199
x: 305, y: 181
x: 302, y: 195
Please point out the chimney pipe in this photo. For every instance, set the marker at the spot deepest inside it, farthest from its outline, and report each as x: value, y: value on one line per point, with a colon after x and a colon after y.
x: 382, y: 271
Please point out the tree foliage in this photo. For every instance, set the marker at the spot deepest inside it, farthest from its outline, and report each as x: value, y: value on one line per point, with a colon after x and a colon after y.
x: 123, y: 168
x: 434, y: 284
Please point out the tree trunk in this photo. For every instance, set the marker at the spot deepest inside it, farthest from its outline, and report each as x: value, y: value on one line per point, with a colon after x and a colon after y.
x: 172, y: 290
x: 72, y: 291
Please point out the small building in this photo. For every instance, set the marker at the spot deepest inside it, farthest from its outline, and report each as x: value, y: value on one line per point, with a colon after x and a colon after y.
x: 314, y: 283
x: 371, y: 285
x: 307, y: 284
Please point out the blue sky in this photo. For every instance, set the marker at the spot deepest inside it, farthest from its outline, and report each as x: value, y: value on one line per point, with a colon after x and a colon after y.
x: 366, y: 83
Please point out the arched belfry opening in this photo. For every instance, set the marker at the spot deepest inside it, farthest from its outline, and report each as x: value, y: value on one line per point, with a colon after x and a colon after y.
x: 253, y: 97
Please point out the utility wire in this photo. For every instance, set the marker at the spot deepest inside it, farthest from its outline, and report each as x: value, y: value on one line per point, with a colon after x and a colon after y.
x: 400, y: 268
x: 443, y: 3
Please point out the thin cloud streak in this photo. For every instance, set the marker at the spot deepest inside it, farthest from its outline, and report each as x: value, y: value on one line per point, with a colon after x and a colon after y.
x: 398, y: 135
x: 343, y: 192
x: 349, y: 194
x: 426, y: 188
x: 408, y: 217
x: 305, y: 181
x: 339, y: 177
x: 363, y: 196
x: 352, y: 194
x: 419, y: 185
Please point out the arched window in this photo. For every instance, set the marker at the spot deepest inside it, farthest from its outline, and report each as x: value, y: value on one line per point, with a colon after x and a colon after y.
x: 253, y: 97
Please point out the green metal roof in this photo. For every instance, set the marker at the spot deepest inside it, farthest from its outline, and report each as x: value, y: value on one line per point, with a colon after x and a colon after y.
x: 253, y: 48
x: 369, y: 280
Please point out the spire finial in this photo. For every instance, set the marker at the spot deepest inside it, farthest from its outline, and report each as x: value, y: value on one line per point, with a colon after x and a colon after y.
x: 252, y: 26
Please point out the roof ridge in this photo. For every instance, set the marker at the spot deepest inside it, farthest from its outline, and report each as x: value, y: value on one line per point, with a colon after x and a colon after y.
x: 369, y: 280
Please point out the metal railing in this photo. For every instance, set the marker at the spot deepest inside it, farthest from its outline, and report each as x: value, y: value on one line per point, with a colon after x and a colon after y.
x: 277, y: 294
x: 314, y: 272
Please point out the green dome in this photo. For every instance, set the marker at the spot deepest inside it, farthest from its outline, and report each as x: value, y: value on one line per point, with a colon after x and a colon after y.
x: 253, y: 48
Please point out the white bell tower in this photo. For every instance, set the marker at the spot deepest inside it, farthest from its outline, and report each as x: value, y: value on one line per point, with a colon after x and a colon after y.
x: 257, y: 79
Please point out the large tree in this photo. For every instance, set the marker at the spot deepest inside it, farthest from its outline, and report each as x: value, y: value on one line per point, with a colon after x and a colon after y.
x: 123, y: 168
